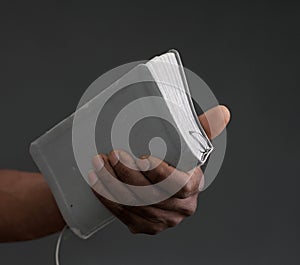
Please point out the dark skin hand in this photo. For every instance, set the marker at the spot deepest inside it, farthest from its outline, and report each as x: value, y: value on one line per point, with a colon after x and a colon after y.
x: 155, y: 218
x: 152, y: 219
x: 28, y: 209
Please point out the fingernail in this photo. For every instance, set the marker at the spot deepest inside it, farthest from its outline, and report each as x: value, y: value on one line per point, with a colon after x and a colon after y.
x: 226, y: 113
x: 98, y: 163
x: 92, y: 177
x: 127, y: 160
x: 114, y: 158
x: 143, y: 164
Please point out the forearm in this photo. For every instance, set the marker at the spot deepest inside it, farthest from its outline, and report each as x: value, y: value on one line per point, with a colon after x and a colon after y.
x: 27, y: 207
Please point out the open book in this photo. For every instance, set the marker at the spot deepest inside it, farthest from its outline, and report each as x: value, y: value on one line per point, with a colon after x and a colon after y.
x: 171, y: 118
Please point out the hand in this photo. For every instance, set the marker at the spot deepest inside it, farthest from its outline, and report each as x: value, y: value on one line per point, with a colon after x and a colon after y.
x: 152, y: 219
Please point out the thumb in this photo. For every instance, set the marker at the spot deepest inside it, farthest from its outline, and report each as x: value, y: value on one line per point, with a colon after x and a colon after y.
x: 215, y: 120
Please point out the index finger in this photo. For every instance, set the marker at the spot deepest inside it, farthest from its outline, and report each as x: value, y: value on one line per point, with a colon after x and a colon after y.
x: 157, y: 170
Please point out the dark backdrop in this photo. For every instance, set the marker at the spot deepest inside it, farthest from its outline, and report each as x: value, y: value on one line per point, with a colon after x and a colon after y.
x: 248, y: 53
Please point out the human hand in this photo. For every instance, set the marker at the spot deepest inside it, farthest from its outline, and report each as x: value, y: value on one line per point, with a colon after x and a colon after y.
x: 152, y: 219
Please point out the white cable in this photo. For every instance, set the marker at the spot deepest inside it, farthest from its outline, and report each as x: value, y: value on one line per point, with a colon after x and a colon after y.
x: 58, y: 243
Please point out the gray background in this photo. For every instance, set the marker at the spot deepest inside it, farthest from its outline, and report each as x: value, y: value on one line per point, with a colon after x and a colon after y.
x: 248, y: 53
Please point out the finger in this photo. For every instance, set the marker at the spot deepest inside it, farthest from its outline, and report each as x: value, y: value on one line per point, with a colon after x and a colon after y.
x: 154, y: 168
x: 142, y: 225
x: 185, y: 206
x: 114, y: 189
x: 193, y: 185
x: 157, y: 170
x: 215, y: 120
x: 135, y: 222
x: 128, y: 172
x: 157, y: 215
x: 98, y: 186
x: 126, y: 168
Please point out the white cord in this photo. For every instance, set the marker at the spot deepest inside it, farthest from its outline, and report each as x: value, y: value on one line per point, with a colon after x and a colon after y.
x: 58, y: 243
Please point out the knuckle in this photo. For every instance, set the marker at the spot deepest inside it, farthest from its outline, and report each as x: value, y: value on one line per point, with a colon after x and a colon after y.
x: 122, y: 169
x: 184, y: 194
x: 155, y: 229
x: 190, y: 208
x: 159, y: 170
x: 189, y: 211
x: 188, y: 189
x: 175, y: 221
x: 198, y: 172
x: 151, y: 232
